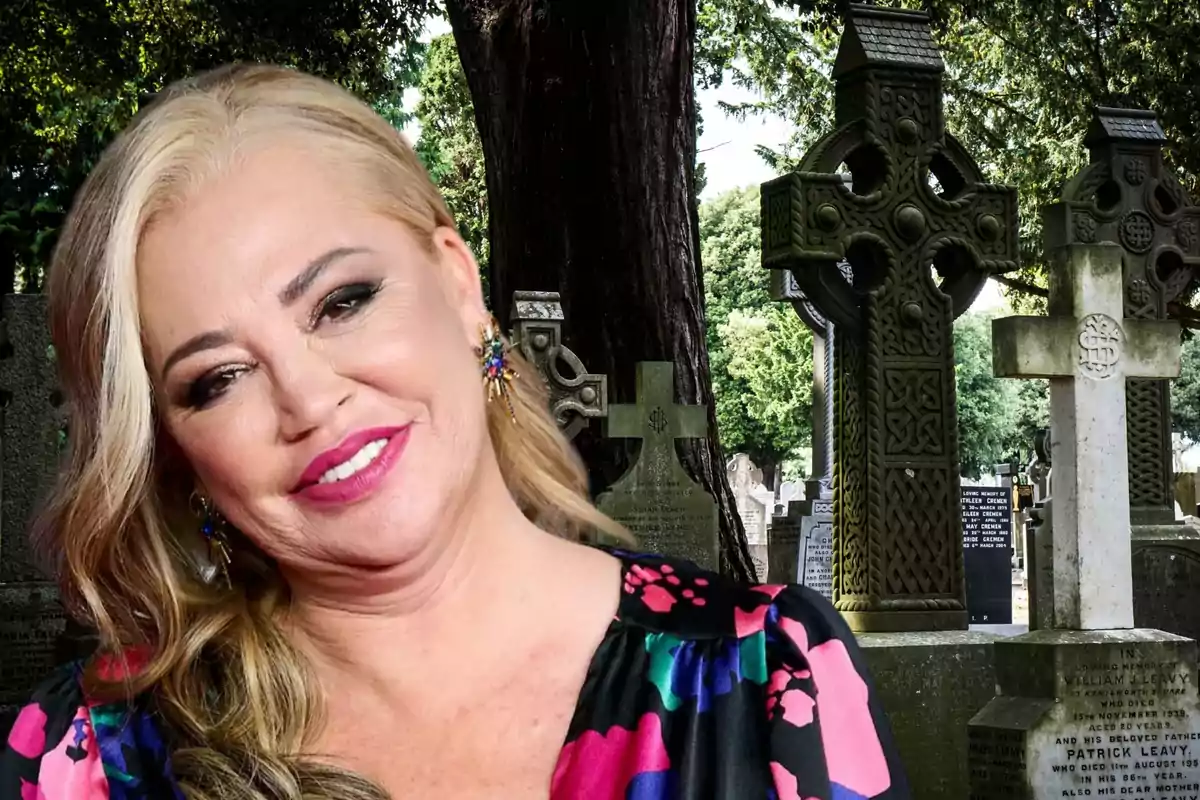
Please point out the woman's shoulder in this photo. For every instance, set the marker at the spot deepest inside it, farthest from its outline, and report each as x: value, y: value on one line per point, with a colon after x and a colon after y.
x: 64, y: 745
x: 676, y: 597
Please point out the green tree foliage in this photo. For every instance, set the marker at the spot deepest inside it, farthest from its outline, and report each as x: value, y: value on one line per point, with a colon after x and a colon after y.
x: 449, y: 144
x: 1021, y: 79
x: 759, y: 350
x: 1185, y: 393
x: 997, y: 417
x: 73, y: 72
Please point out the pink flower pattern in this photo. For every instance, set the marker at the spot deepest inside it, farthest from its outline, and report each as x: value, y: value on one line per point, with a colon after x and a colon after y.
x: 702, y: 688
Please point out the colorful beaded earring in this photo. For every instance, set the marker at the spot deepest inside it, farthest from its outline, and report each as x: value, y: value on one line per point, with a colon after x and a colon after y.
x: 212, y: 528
x: 497, y: 374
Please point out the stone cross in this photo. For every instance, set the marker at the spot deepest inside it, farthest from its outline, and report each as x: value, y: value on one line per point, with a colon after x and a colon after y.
x: 31, y: 619
x: 784, y: 287
x: 655, y: 498
x: 576, y: 395
x: 1087, y: 348
x: 1128, y: 196
x: 916, y: 199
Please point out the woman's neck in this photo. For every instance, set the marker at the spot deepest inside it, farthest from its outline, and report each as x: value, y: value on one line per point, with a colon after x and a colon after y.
x: 451, y: 611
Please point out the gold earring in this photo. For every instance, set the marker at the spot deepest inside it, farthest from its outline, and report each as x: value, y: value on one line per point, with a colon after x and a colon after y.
x: 498, y: 375
x: 212, y: 528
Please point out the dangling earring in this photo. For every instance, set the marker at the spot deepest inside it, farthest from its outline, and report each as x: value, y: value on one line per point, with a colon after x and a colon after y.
x: 497, y: 374
x: 212, y: 528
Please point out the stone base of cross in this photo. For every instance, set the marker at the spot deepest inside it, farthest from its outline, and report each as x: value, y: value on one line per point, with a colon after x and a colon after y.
x: 1087, y: 350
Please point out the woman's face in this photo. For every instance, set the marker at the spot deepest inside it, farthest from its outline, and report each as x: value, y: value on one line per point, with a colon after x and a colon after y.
x: 315, y: 363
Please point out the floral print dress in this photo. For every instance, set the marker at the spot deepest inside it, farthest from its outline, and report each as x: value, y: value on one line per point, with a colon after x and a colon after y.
x: 702, y: 689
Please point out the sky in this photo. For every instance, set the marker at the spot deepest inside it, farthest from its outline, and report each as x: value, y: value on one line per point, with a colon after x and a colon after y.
x: 727, y: 148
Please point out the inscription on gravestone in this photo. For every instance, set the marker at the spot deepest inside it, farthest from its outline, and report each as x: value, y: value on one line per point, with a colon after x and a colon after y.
x: 31, y: 620
x: 987, y: 553
x: 656, y: 499
x: 1124, y: 725
x: 816, y: 548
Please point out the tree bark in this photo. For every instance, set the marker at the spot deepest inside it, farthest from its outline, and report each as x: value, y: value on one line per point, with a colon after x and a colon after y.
x: 586, y: 111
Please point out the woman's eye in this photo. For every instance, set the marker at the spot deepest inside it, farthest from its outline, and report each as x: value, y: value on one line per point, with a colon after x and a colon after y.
x: 207, y: 388
x: 344, y: 302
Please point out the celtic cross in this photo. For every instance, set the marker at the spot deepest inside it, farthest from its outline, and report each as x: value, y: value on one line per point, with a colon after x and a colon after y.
x: 921, y: 230
x: 1128, y: 196
x: 1087, y: 348
x: 576, y: 395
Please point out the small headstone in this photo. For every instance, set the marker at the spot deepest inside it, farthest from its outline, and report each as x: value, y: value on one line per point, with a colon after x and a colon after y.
x: 816, y: 548
x: 783, y: 545
x: 31, y: 619
x: 575, y: 394
x: 656, y: 499
x: 987, y: 553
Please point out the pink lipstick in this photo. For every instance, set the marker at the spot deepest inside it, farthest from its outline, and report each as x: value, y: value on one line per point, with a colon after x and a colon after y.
x: 354, y: 469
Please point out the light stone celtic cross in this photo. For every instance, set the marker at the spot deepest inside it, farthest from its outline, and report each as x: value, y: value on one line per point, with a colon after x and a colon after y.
x: 1087, y: 349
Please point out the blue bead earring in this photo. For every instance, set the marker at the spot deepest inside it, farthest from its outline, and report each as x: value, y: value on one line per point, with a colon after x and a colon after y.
x: 498, y: 375
x: 212, y: 528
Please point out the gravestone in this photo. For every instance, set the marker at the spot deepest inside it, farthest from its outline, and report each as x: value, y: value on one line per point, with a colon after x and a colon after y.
x: 816, y: 548
x: 897, y: 523
x: 783, y: 545
x: 1089, y: 706
x: 576, y: 395
x: 655, y: 498
x: 744, y: 477
x: 987, y: 553
x: 31, y: 619
x: 1127, y: 196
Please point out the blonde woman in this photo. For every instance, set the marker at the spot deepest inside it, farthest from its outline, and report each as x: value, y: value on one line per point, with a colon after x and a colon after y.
x: 328, y: 531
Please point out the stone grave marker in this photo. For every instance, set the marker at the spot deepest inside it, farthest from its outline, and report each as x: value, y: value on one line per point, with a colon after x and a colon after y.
x: 743, y: 477
x: 31, y: 619
x: 576, y: 395
x: 1129, y: 197
x: 655, y: 498
x: 898, y: 565
x: 987, y: 553
x: 1089, y: 706
x: 816, y: 548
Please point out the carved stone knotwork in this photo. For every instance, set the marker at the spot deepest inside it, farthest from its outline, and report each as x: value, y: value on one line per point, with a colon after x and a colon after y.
x: 1128, y: 196
x: 575, y: 394
x: 922, y: 231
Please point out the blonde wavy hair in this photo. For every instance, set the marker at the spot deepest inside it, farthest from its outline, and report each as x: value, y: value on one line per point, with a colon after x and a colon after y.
x: 240, y: 700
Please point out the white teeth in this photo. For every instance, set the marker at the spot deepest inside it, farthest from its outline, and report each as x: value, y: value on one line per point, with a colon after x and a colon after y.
x: 358, y: 461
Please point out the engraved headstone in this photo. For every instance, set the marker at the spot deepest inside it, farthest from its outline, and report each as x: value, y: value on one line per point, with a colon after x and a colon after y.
x: 656, y: 499
x: 31, y: 619
x: 816, y: 548
x: 744, y: 477
x: 898, y: 561
x: 987, y: 553
x: 1089, y: 706
x: 575, y: 394
x: 783, y: 545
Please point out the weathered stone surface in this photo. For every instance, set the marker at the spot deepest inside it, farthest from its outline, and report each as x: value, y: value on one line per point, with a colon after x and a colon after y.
x: 575, y: 394
x: 1166, y: 579
x: 930, y: 685
x: 1089, y: 714
x: 31, y: 620
x: 783, y: 546
x: 656, y: 499
x: 1129, y: 197
x: 1087, y: 349
x: 898, y: 549
x: 816, y: 548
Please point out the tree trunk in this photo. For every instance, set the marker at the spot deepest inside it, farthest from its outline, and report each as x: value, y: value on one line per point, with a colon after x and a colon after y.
x: 586, y: 111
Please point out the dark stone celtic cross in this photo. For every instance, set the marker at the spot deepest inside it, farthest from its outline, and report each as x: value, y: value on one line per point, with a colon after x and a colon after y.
x: 576, y: 395
x: 921, y: 231
x: 1128, y: 196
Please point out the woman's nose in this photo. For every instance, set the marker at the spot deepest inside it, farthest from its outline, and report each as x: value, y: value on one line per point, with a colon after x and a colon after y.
x: 309, y: 393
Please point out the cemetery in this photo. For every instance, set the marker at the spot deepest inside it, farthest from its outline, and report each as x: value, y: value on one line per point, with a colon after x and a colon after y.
x: 1032, y: 633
